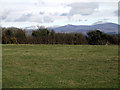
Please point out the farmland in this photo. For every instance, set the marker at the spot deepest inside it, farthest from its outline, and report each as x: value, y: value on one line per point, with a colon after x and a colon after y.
x: 59, y: 66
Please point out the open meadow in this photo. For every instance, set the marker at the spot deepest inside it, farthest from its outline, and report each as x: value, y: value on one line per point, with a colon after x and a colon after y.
x: 60, y: 66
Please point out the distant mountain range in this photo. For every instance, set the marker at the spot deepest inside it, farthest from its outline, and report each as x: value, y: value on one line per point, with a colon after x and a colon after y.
x: 105, y: 27
x: 110, y: 28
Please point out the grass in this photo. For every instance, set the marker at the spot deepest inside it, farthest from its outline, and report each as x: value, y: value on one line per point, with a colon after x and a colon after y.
x: 60, y: 66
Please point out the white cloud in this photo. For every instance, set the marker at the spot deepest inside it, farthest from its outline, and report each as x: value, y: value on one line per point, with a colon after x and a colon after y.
x: 54, y: 12
x: 100, y: 22
x: 47, y: 19
x: 83, y: 8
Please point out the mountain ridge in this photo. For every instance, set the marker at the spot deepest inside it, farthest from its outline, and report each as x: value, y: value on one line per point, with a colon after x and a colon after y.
x: 105, y: 27
x: 108, y: 27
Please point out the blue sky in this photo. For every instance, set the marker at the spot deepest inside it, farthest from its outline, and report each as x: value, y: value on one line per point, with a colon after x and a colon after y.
x: 23, y: 13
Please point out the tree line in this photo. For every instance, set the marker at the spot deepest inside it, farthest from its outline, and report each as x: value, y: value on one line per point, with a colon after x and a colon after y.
x: 14, y: 35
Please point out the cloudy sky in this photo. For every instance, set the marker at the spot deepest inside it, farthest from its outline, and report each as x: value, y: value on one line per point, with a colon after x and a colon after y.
x: 23, y: 13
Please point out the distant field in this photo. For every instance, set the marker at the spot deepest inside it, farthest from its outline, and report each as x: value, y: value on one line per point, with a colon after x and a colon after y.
x: 60, y: 66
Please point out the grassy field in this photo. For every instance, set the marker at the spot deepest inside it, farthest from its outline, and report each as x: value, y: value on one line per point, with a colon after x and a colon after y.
x: 60, y: 66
